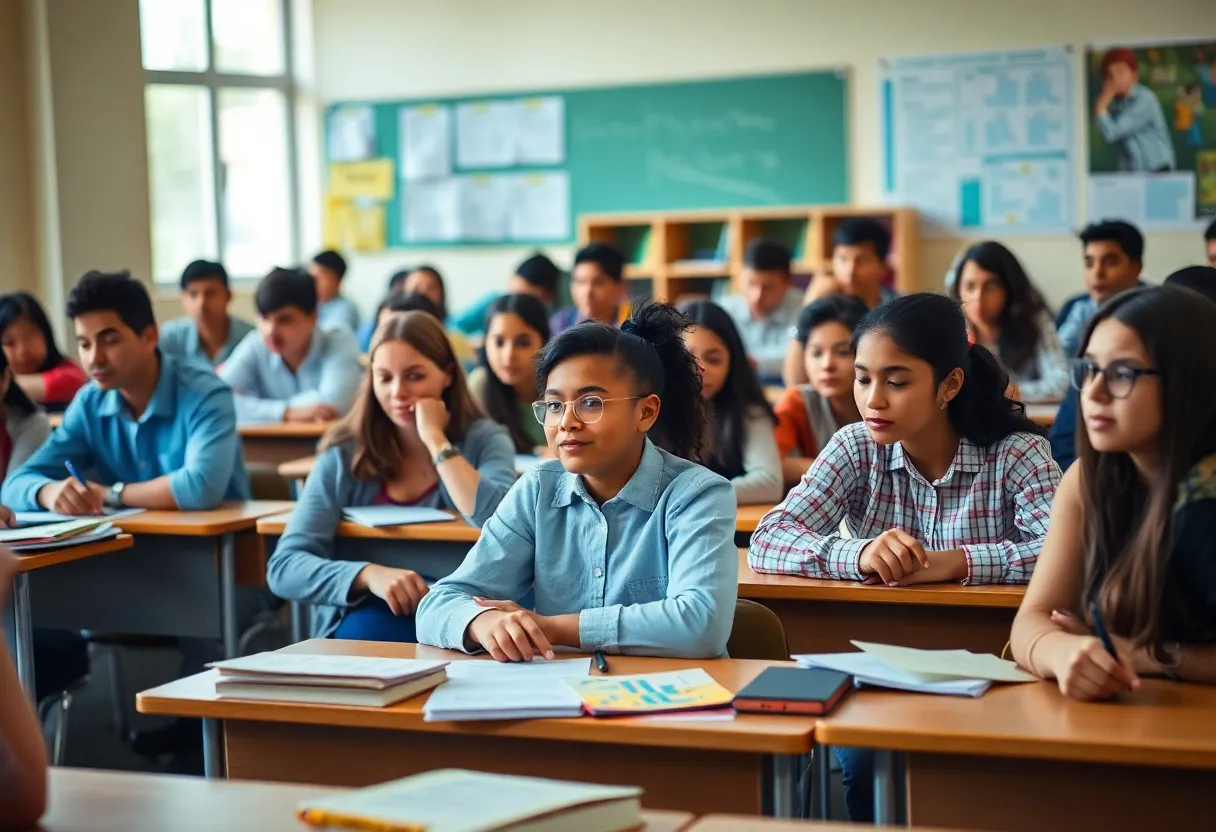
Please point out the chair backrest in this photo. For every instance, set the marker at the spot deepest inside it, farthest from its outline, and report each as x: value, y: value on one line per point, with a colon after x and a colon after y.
x: 757, y: 633
x: 266, y: 484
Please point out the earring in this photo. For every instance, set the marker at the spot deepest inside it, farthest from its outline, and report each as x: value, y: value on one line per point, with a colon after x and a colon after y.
x: 945, y: 404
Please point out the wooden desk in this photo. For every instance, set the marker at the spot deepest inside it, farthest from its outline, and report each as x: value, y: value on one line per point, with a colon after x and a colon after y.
x: 20, y: 611
x: 1026, y: 757
x: 272, y: 443
x: 107, y: 801
x: 822, y: 616
x: 747, y: 765
x: 749, y: 517
x: 1044, y: 414
x: 297, y: 469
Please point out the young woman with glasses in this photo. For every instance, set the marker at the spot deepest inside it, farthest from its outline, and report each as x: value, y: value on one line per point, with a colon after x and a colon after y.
x: 627, y: 547
x: 1132, y: 543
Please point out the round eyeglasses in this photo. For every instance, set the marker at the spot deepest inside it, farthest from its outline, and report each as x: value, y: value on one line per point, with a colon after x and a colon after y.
x: 1118, y: 376
x: 587, y: 409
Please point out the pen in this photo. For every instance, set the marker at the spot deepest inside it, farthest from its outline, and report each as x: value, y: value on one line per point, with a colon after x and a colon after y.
x: 1100, y: 628
x: 601, y: 664
x: 75, y: 474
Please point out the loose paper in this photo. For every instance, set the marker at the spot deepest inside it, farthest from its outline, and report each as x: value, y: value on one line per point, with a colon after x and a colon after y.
x: 541, y: 131
x: 485, y: 134
x: 389, y: 515
x: 426, y: 141
x: 961, y: 664
x: 496, y: 690
x: 372, y: 179
x: 541, y: 207
x: 871, y: 670
x: 352, y: 133
x: 370, y: 227
x: 431, y: 211
x: 485, y: 202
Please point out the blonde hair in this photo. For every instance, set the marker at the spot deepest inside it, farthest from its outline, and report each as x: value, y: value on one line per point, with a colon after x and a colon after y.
x: 379, y: 453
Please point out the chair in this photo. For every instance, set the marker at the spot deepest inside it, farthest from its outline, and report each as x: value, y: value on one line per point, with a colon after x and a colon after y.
x: 266, y: 484
x: 61, y: 700
x: 757, y: 633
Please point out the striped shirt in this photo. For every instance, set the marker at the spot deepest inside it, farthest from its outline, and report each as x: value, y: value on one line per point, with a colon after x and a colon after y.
x: 993, y: 503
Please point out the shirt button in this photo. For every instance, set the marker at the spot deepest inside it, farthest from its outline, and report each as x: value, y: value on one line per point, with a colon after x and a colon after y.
x: 599, y: 573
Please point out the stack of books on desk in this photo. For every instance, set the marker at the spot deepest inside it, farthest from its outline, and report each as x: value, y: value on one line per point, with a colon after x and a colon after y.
x: 368, y: 681
x: 27, y: 538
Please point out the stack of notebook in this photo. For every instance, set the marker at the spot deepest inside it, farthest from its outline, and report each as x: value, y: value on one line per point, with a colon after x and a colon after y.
x: 56, y: 535
x: 368, y: 681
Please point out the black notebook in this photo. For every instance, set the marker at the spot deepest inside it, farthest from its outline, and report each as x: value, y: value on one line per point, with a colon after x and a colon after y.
x: 794, y: 690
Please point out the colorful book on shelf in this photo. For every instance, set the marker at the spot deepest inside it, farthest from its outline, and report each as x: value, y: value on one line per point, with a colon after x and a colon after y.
x: 651, y: 693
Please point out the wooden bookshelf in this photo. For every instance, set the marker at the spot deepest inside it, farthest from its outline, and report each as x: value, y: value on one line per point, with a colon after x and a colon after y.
x: 677, y: 254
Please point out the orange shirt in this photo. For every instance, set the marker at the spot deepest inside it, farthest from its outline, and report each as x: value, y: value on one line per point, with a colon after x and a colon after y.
x: 794, y: 434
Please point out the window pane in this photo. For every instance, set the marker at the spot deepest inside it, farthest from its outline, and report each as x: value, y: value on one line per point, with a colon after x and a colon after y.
x: 257, y: 207
x: 248, y: 36
x: 173, y: 34
x: 181, y: 181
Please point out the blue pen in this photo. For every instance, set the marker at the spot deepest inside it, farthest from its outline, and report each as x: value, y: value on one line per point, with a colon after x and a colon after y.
x: 1095, y: 613
x: 75, y: 474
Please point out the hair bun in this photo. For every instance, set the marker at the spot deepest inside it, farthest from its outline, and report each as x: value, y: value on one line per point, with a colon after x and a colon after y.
x: 656, y: 323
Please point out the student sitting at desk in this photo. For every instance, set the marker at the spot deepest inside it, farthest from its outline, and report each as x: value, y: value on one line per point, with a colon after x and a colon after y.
x: 208, y: 334
x: 809, y: 414
x: 22, y: 748
x: 739, y: 437
x: 333, y: 310
x: 536, y: 276
x: 504, y: 387
x: 428, y: 281
x: 46, y: 376
x: 23, y: 425
x: 628, y: 548
x: 597, y: 287
x: 1133, y: 527
x: 292, y: 370
x: 414, y: 437
x: 148, y: 432
x: 367, y: 328
x: 766, y: 307
x: 1007, y: 315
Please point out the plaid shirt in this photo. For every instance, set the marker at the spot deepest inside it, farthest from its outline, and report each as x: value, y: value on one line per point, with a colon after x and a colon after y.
x: 993, y: 503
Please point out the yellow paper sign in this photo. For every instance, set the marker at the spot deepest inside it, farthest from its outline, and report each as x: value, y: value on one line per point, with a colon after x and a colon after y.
x: 338, y: 223
x: 370, y: 227
x: 372, y: 179
x: 352, y: 226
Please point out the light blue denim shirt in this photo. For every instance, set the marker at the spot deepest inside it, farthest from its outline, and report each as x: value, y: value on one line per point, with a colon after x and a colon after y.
x: 265, y: 386
x: 338, y: 312
x: 187, y: 431
x: 1137, y: 124
x: 765, y: 339
x: 303, y: 566
x: 654, y: 571
x: 179, y: 338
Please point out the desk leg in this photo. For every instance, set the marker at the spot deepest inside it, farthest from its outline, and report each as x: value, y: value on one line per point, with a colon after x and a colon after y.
x: 228, y: 623
x: 214, y: 767
x: 822, y: 805
x: 299, y: 622
x: 23, y: 632
x: 884, y: 788
x: 785, y: 770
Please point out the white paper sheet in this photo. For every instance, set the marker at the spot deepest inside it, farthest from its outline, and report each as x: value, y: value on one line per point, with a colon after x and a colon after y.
x: 962, y: 664
x: 352, y: 134
x: 389, y: 515
x: 37, y: 518
x: 430, y: 211
x: 497, y: 690
x: 871, y: 670
x: 540, y: 137
x: 325, y: 665
x: 540, y: 209
x: 426, y: 141
x: 103, y: 532
x: 486, y: 134
x: 485, y: 202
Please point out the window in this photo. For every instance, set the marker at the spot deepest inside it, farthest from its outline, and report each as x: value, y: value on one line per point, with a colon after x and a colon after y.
x: 220, y: 107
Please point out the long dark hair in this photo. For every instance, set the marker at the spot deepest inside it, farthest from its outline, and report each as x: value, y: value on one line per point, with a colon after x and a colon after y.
x: 932, y: 328
x: 1129, y: 524
x: 15, y: 397
x: 650, y: 347
x: 1021, y: 318
x: 24, y: 305
x: 740, y: 395
x: 500, y: 401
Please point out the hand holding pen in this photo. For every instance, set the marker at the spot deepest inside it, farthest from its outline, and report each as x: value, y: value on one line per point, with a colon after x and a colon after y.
x: 1093, y: 669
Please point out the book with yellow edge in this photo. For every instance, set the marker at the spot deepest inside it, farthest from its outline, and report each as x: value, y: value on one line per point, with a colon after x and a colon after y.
x: 452, y: 800
x: 650, y: 693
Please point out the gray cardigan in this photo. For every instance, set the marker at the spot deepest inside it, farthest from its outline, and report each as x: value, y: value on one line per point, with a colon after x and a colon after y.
x: 303, y: 566
x: 28, y: 432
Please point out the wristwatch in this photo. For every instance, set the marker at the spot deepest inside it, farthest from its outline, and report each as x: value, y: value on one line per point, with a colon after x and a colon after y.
x: 114, y: 496
x: 445, y: 453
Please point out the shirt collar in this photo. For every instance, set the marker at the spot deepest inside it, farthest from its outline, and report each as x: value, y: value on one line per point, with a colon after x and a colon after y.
x: 968, y: 458
x: 314, y: 347
x: 164, y: 398
x: 642, y: 490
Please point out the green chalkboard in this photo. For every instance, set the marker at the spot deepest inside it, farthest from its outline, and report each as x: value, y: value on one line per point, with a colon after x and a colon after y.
x: 745, y: 142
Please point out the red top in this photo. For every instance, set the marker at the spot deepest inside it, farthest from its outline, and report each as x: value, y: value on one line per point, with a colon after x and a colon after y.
x: 382, y: 498
x: 62, y: 382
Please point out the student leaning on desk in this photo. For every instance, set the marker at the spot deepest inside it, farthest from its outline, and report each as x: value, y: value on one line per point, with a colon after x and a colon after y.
x: 1132, y: 541
x: 414, y: 437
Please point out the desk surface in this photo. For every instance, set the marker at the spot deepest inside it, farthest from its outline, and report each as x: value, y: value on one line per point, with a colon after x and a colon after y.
x: 297, y: 469
x: 455, y: 531
x: 748, y: 517
x: 755, y: 585
x: 1162, y: 724
x: 50, y: 557
x: 1043, y: 413
x: 283, y: 430
x: 228, y: 517
x: 195, y: 696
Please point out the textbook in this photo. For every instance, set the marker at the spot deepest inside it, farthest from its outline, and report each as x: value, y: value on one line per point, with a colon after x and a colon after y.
x: 452, y: 800
x: 794, y: 690
x: 497, y: 690
x: 256, y: 688
x: 370, y: 672
x: 650, y: 693
x: 386, y: 515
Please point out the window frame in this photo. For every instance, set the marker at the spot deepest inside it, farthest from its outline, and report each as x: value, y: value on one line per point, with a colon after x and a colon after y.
x: 212, y: 81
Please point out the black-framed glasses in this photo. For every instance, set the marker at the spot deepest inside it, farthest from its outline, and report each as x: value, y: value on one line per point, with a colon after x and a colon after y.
x: 587, y: 409
x: 1118, y: 376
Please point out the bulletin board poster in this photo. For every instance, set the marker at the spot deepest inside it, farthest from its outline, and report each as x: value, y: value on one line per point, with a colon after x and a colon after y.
x: 981, y: 142
x: 1152, y: 132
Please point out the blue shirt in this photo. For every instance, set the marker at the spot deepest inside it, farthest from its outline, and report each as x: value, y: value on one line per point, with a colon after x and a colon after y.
x: 1137, y: 124
x: 265, y: 386
x: 187, y: 432
x: 304, y: 566
x: 654, y: 571
x: 338, y: 312
x: 179, y: 338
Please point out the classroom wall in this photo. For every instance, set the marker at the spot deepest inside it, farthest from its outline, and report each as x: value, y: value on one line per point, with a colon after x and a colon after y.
x: 378, y: 49
x: 18, y: 261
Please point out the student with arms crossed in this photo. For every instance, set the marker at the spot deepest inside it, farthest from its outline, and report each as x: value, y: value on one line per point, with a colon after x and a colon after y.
x: 292, y: 370
x: 333, y: 310
x: 809, y: 414
x: 504, y: 387
x: 536, y: 276
x: 1133, y: 526
x: 414, y: 437
x: 766, y: 308
x: 207, y: 335
x: 148, y: 432
x: 1008, y: 316
x: 597, y: 287
x: 739, y: 437
x: 945, y: 480
x: 42, y: 372
x: 629, y: 549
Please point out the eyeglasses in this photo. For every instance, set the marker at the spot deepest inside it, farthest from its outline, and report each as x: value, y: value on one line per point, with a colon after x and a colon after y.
x: 587, y: 409
x: 1119, y: 377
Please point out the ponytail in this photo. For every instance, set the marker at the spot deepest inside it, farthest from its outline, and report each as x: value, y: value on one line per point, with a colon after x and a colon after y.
x: 981, y: 411
x: 650, y: 346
